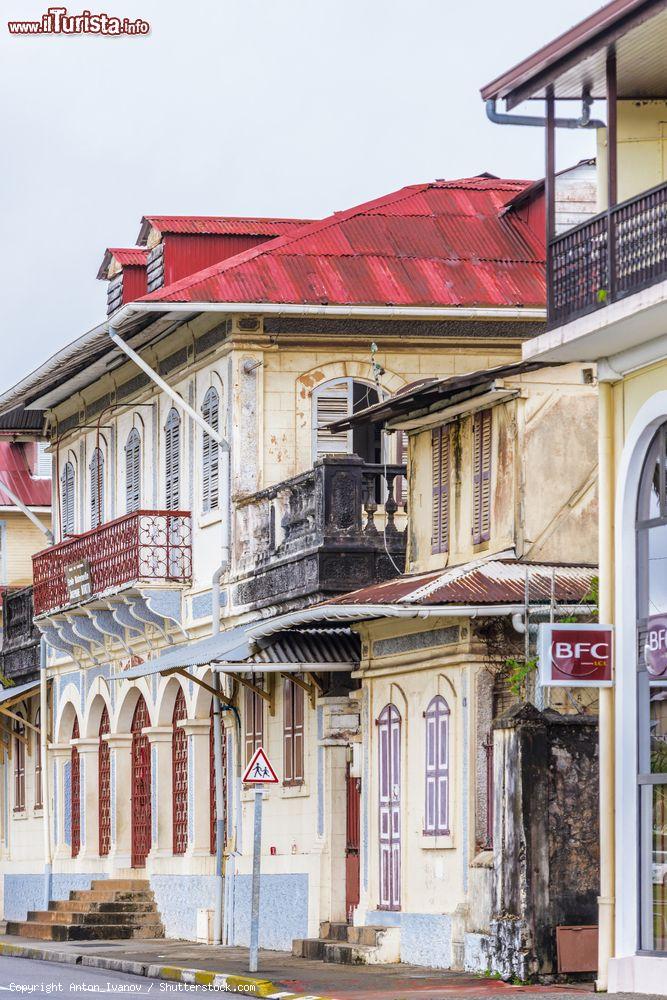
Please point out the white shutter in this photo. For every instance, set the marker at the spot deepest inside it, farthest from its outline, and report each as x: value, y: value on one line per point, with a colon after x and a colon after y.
x: 43, y: 464
x: 172, y: 432
x: 67, y: 500
x: 133, y: 471
x: 210, y: 452
x: 331, y: 402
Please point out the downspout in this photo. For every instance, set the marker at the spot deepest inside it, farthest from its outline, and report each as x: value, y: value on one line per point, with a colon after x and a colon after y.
x: 215, y: 597
x: 44, y: 760
x: 606, y: 900
x: 584, y: 121
x: 26, y: 510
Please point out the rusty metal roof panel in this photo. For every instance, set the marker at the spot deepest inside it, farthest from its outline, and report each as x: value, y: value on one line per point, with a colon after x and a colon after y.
x: 501, y: 581
x: 442, y: 244
x: 327, y: 646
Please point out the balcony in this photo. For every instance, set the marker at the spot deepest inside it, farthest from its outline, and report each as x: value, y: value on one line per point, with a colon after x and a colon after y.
x: 151, y: 546
x: 332, y: 529
x: 614, y: 254
x: 20, y: 640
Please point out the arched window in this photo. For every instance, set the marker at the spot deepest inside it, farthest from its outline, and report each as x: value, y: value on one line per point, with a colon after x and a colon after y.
x: 67, y: 500
x: 652, y: 692
x: 19, y: 765
x: 133, y: 471
x: 172, y: 453
x: 337, y: 399
x: 437, y: 768
x: 97, y: 488
x: 75, y: 798
x: 210, y: 411
x: 179, y: 770
x: 141, y: 785
x: 104, y: 785
x: 39, y: 796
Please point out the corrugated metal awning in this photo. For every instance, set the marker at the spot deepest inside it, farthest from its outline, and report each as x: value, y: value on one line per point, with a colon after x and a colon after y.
x: 326, y: 650
x: 233, y: 642
x: 17, y: 693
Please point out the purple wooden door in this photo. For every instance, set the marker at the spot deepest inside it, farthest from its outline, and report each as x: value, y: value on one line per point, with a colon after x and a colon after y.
x: 389, y: 749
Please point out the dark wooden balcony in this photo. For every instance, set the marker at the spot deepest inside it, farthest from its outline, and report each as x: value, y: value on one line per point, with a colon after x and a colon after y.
x: 613, y: 255
x: 335, y: 528
x: 19, y: 656
x: 146, y: 546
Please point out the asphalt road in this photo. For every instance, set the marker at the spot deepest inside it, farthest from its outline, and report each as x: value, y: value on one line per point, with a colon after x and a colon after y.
x: 23, y: 977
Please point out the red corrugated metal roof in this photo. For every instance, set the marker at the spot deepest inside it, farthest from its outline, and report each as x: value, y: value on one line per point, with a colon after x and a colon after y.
x: 445, y: 243
x: 498, y: 581
x: 16, y: 460
x: 125, y: 256
x: 218, y: 225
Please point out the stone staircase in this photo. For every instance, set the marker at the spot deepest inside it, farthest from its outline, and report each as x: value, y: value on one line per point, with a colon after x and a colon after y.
x: 348, y: 945
x: 110, y: 909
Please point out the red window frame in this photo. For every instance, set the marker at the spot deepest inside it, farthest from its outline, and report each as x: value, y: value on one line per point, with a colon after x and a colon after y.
x: 19, y: 767
x: 104, y: 786
x: 293, y: 727
x: 179, y: 771
x: 437, y: 777
x: 254, y: 719
x: 75, y: 794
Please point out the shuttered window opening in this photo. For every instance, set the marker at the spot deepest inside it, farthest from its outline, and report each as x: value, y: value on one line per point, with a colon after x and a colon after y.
x: 481, y: 482
x: 331, y: 402
x: 179, y: 760
x: 133, y: 471
x: 437, y: 767
x: 96, y: 489
x: 254, y: 719
x: 39, y: 798
x: 440, y: 506
x: 172, y: 452
x: 210, y: 452
x: 67, y: 500
x: 19, y: 766
x: 293, y: 707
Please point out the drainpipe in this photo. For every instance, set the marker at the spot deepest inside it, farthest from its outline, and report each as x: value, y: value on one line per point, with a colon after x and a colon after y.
x: 606, y: 900
x: 26, y: 510
x: 584, y: 121
x: 44, y: 758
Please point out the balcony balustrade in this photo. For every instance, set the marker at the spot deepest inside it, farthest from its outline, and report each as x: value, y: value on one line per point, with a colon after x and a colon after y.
x: 335, y: 528
x: 148, y: 545
x: 614, y: 254
x: 20, y: 639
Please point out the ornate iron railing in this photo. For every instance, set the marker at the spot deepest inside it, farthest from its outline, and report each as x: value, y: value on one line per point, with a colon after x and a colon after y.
x: 145, y: 545
x: 336, y: 527
x: 612, y: 255
x: 20, y: 639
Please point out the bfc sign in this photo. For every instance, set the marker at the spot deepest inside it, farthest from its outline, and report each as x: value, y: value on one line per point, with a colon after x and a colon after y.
x: 576, y: 655
x: 655, y: 646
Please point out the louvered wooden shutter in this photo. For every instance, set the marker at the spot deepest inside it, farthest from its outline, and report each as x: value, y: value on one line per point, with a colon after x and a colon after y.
x: 298, y: 701
x: 440, y: 462
x: 254, y: 719
x: 210, y: 452
x: 133, y: 471
x: 331, y: 402
x: 67, y: 500
x: 288, y: 732
x: 481, y: 484
x: 172, y: 442
x: 96, y: 489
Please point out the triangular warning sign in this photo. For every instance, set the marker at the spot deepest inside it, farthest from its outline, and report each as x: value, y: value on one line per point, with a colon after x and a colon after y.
x: 259, y: 771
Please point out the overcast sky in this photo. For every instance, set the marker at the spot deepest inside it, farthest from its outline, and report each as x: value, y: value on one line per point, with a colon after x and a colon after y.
x: 233, y: 107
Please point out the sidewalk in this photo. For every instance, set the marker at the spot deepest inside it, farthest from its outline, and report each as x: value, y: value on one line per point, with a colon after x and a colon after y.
x: 280, y: 975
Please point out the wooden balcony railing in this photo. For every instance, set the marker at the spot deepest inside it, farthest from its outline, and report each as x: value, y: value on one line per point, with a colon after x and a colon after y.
x: 614, y: 254
x: 153, y: 545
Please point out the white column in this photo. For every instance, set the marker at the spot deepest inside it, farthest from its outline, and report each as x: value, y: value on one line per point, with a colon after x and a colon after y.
x: 60, y: 754
x: 160, y: 738
x: 90, y: 827
x: 120, y: 745
x: 199, y: 786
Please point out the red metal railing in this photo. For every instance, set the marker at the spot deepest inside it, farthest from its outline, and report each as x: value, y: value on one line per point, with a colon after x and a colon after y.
x: 144, y: 545
x: 612, y: 255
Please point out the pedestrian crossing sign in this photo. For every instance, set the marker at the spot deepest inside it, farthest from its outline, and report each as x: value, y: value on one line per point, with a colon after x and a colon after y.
x: 259, y: 771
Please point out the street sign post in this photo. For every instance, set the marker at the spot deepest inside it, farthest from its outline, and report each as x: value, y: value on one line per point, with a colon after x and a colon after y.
x: 573, y: 655
x: 258, y: 773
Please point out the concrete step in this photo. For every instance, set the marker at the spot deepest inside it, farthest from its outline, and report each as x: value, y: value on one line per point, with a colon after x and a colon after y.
x: 95, y: 917
x: 84, y: 932
x: 364, y: 945
x: 366, y: 935
x: 126, y: 884
x: 338, y: 952
x: 113, y: 895
x: 333, y: 931
x: 97, y: 906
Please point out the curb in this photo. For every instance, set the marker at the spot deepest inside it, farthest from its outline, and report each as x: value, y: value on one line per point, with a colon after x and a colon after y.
x: 170, y: 973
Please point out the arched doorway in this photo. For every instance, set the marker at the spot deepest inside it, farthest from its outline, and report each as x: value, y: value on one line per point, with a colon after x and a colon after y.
x: 104, y: 786
x: 75, y: 796
x: 179, y: 770
x: 141, y: 786
x: 389, y: 789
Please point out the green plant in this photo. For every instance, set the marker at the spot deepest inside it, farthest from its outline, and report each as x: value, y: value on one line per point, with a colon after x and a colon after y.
x: 593, y: 594
x: 518, y: 673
